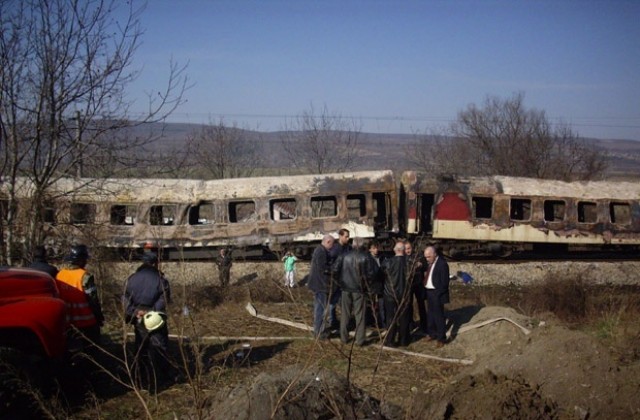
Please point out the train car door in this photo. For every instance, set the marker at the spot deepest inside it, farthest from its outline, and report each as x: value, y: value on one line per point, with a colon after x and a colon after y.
x: 425, y: 209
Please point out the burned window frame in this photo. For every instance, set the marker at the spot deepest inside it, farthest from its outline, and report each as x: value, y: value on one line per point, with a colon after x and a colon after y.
x: 585, y: 208
x: 315, y: 201
x: 362, y: 206
x: 524, y: 205
x: 126, y: 207
x: 173, y: 221
x: 210, y: 205
x: 48, y: 212
x: 482, y: 207
x: 554, y: 202
x: 275, y: 201
x: 232, y: 211
x: 86, y: 209
x: 614, y: 217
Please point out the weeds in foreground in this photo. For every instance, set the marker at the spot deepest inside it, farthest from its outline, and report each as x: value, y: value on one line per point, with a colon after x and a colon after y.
x: 603, y: 311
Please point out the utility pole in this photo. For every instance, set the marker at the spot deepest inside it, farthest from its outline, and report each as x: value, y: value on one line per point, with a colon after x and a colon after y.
x: 78, y: 146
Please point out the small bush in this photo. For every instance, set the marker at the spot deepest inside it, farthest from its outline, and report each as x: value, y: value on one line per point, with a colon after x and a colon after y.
x: 565, y: 297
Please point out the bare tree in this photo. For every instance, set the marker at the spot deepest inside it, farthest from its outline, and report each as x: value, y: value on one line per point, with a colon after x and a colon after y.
x: 65, y: 66
x: 505, y: 138
x: 322, y: 143
x: 224, y: 151
x: 434, y: 152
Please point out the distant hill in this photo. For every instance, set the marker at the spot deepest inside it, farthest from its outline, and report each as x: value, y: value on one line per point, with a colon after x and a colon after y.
x: 387, y: 151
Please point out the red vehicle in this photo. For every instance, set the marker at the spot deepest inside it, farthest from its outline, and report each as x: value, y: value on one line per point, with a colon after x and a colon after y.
x: 33, y: 318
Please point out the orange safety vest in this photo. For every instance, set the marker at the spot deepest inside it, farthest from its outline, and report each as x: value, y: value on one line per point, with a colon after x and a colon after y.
x: 78, y: 310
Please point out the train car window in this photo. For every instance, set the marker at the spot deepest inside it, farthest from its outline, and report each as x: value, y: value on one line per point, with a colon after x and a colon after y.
x: 242, y: 211
x: 82, y: 213
x: 323, y: 207
x: 49, y: 213
x: 202, y: 213
x: 587, y: 212
x: 282, y: 209
x: 162, y: 215
x: 620, y: 213
x: 482, y: 207
x: 4, y: 209
x: 554, y: 210
x: 123, y: 215
x: 520, y: 209
x: 380, y: 213
x: 356, y: 206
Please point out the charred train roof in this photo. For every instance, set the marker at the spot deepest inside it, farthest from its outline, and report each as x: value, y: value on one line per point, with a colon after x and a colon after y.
x: 190, y: 190
x: 518, y: 186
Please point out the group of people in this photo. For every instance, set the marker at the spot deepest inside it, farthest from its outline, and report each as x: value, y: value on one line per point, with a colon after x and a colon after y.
x: 369, y: 289
x: 378, y: 291
x: 145, y: 299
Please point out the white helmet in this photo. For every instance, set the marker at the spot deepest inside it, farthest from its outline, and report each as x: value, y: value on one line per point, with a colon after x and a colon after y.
x: 153, y: 320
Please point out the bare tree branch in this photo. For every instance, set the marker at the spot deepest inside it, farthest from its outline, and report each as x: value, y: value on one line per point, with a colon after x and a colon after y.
x: 64, y: 70
x: 505, y: 138
x: 224, y: 151
x: 322, y: 143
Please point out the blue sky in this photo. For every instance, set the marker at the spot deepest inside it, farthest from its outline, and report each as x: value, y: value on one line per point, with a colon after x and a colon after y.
x: 397, y: 66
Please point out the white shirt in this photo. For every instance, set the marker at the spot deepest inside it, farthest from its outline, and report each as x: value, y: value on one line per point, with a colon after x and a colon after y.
x: 429, y: 284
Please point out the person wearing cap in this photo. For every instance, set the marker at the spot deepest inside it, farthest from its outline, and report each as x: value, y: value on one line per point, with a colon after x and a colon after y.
x: 40, y: 262
x: 78, y: 289
x: 147, y: 293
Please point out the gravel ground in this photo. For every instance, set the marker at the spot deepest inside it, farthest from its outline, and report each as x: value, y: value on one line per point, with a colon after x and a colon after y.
x: 601, y: 273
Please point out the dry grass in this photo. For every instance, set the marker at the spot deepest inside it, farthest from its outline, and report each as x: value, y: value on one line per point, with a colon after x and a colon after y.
x: 211, y: 364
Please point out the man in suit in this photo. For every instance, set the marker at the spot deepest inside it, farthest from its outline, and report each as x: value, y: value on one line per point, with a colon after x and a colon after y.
x: 321, y: 284
x: 436, y: 283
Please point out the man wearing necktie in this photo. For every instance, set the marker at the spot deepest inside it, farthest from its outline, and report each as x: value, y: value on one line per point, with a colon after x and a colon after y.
x: 436, y: 283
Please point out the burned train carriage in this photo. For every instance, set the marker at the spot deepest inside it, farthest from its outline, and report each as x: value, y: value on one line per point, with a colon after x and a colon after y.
x: 191, y: 218
x: 498, y: 214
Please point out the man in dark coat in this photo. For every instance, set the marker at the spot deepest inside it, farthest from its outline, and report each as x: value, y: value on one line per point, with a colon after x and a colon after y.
x: 147, y: 291
x: 436, y: 283
x: 355, y: 271
x: 321, y: 284
x: 396, y: 299
x: 40, y: 262
x: 375, y: 291
x: 415, y: 270
x: 340, y: 247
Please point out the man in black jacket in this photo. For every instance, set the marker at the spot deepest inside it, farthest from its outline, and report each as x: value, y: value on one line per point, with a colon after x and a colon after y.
x: 340, y: 246
x: 396, y: 299
x: 415, y: 270
x: 148, y: 291
x: 321, y: 284
x: 40, y: 262
x: 355, y: 271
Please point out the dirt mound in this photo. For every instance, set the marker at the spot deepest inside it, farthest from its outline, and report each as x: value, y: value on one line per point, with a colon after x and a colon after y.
x: 569, y: 367
x: 487, y: 396
x: 299, y: 392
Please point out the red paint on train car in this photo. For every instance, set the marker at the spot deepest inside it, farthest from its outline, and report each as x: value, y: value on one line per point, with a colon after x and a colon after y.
x: 452, y: 207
